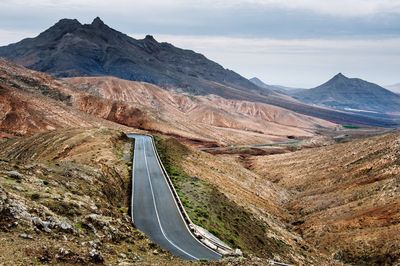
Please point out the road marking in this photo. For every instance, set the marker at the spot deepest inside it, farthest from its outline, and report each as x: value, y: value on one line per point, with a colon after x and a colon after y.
x: 187, y: 228
x: 155, y: 205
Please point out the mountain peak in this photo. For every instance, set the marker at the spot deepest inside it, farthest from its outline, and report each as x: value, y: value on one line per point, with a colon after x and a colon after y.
x: 97, y: 22
x: 340, y: 76
x: 150, y: 38
x: 67, y: 24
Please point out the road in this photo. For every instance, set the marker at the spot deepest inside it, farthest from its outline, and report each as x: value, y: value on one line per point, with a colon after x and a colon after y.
x: 155, y: 211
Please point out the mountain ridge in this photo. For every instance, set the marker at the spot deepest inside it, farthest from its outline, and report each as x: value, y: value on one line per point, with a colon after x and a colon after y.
x: 69, y: 49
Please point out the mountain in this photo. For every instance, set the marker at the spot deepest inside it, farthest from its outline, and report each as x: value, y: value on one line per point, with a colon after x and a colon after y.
x: 276, y: 88
x: 70, y: 49
x: 352, y: 94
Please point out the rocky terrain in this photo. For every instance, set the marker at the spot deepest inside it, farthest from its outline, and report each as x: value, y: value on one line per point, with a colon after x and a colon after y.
x: 63, y: 200
x: 345, y: 93
x: 344, y: 198
x: 32, y: 102
x: 240, y: 207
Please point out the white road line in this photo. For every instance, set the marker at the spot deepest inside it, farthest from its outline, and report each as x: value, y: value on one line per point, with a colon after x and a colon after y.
x: 155, y: 206
x: 187, y: 228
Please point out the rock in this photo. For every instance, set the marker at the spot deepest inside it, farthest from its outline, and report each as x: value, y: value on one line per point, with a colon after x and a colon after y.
x: 238, y: 252
x: 122, y: 255
x: 62, y: 253
x: 96, y: 256
x: 66, y: 227
x: 44, y: 226
x: 15, y: 175
x: 25, y: 236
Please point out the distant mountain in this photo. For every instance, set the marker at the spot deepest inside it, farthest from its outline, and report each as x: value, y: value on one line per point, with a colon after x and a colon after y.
x: 276, y: 88
x: 352, y: 94
x: 70, y: 49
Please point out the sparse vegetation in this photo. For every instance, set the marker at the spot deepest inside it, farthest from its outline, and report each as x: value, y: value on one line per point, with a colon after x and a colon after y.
x: 211, y: 209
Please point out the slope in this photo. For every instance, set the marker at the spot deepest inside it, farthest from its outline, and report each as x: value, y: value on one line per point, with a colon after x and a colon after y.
x: 345, y: 197
x: 32, y: 102
x: 345, y: 93
x: 209, y: 118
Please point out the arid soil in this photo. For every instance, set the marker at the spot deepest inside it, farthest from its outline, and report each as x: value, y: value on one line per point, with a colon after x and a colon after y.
x: 63, y: 200
x: 344, y: 198
x: 209, y: 118
x: 33, y: 102
x: 239, y: 206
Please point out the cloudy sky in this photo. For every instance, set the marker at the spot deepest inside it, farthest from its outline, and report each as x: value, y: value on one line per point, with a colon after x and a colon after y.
x: 299, y: 43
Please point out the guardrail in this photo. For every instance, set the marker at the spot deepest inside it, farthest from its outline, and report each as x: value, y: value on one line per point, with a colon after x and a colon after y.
x: 208, y: 241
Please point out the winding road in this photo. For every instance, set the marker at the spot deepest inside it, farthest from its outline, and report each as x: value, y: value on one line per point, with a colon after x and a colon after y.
x: 154, y: 209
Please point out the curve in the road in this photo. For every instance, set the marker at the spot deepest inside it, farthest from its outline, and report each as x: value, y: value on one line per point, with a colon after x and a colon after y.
x: 154, y: 209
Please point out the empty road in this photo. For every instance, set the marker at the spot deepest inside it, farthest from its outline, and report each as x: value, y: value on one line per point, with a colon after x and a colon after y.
x: 155, y: 211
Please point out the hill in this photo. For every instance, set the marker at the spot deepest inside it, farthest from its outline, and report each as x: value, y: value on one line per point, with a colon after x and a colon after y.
x: 352, y: 94
x: 204, y: 118
x: 34, y: 102
x: 344, y: 197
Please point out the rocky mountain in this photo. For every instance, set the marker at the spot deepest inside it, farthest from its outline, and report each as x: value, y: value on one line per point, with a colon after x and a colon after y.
x: 352, y: 94
x: 70, y: 49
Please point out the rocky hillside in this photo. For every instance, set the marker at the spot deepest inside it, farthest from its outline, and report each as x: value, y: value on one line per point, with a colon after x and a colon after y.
x: 32, y: 102
x: 352, y: 94
x: 63, y: 201
x: 344, y: 197
x: 239, y: 206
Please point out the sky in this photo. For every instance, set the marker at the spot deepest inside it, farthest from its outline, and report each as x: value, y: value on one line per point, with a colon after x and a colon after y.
x: 297, y: 43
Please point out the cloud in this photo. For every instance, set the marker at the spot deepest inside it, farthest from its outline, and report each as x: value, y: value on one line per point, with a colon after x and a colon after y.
x: 337, y: 7
x: 266, y: 18
x: 291, y: 42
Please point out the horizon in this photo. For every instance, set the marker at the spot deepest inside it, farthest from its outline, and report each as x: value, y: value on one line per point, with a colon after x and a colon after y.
x: 363, y: 43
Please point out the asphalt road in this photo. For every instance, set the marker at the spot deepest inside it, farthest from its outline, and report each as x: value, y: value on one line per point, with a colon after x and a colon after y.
x: 155, y: 211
